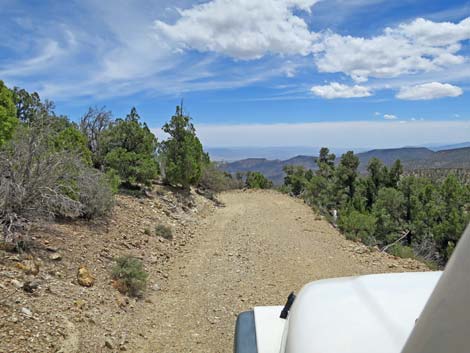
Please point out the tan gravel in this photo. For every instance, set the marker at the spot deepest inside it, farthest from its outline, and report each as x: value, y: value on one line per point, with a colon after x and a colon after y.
x: 253, y: 251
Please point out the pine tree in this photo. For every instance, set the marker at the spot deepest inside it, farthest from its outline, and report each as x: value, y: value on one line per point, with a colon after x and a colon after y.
x: 181, y: 155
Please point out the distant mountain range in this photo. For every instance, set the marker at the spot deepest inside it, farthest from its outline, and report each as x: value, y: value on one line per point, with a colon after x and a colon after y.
x: 231, y: 154
x: 411, y: 157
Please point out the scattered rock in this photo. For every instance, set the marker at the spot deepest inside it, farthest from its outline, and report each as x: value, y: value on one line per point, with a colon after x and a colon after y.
x: 29, y: 267
x: 26, y: 312
x: 55, y: 257
x: 108, y: 343
x: 84, y: 277
x: 17, y: 283
x: 156, y: 287
x: 30, y: 286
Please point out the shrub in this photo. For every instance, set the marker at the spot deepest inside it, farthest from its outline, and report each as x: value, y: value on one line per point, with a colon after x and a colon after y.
x: 37, y: 180
x: 8, y: 120
x: 130, y: 276
x: 358, y: 226
x: 164, y: 231
x: 95, y: 193
x: 401, y: 251
x: 256, y: 180
x: 113, y: 180
x: 216, y: 180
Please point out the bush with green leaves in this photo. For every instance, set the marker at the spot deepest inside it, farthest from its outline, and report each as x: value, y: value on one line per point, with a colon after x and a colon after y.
x: 358, y: 226
x: 403, y: 251
x: 43, y: 176
x: 182, y: 158
x: 8, y: 119
x: 256, y: 180
x: 164, y: 231
x: 130, y: 276
x: 215, y: 180
x: 128, y: 148
x: 296, y: 178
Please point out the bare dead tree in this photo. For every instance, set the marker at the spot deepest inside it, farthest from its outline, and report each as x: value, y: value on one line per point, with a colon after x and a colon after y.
x: 92, y: 124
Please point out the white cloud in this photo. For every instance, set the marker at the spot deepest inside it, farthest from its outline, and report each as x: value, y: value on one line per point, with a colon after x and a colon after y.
x: 339, y: 90
x: 351, y: 134
x: 419, y: 46
x: 242, y: 29
x: 390, y: 117
x: 426, y: 91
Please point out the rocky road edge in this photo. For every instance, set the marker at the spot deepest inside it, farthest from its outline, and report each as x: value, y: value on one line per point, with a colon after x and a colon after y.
x: 43, y: 308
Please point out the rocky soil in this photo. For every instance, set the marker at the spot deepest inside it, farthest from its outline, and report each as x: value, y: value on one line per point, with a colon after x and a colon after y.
x: 222, y: 260
x: 45, y: 305
x: 254, y: 251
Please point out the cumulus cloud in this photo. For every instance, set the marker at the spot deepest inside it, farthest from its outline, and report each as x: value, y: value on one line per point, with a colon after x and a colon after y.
x: 242, y: 29
x: 339, y: 90
x: 390, y: 117
x: 431, y: 90
x: 418, y: 46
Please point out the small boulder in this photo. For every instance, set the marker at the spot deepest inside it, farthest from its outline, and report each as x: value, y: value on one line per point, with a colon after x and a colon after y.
x: 26, y: 312
x: 55, y: 257
x: 108, y: 343
x: 17, y: 284
x: 84, y: 277
x: 29, y: 267
x: 30, y: 286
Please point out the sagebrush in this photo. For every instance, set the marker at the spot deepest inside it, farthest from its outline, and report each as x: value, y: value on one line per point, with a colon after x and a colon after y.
x: 130, y: 276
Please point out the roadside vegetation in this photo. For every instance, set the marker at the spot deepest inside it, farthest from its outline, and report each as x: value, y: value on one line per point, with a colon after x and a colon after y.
x: 129, y: 276
x: 408, y: 216
x: 52, y: 167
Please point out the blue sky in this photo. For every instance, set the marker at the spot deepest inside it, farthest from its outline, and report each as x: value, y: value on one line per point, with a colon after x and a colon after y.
x: 359, y: 73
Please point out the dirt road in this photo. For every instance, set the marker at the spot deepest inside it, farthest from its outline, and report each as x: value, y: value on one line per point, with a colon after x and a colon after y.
x: 253, y: 251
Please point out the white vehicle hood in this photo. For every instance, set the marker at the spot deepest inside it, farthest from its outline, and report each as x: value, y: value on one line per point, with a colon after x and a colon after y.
x: 365, y: 314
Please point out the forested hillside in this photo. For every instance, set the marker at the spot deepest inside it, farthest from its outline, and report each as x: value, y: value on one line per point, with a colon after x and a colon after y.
x: 412, y: 158
x: 407, y: 215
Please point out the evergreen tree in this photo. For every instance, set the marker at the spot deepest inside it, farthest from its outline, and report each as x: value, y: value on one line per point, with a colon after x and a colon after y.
x: 346, y: 174
x: 128, y: 148
x: 8, y: 120
x: 395, y: 173
x: 182, y: 156
x: 256, y: 180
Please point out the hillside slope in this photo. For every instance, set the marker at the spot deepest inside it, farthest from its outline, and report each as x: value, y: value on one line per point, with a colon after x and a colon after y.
x: 49, y: 311
x: 411, y: 157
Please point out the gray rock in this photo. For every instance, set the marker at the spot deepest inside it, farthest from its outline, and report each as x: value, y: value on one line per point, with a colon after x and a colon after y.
x: 26, y: 312
x: 108, y: 343
x: 55, y: 257
x: 30, y: 286
x: 17, y: 283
